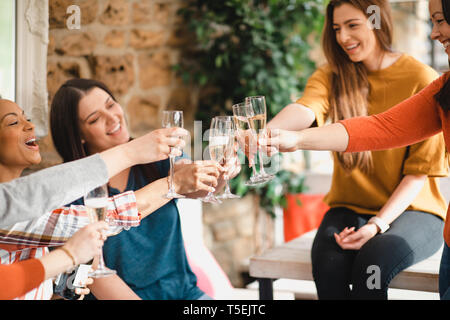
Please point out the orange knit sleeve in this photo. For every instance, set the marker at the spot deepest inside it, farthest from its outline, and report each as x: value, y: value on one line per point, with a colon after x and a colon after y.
x: 411, y: 121
x: 18, y: 278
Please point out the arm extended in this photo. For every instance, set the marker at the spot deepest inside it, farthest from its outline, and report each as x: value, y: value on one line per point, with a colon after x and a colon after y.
x: 53, y: 187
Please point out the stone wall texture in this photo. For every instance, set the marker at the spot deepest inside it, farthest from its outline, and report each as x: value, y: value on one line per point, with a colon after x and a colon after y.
x: 131, y: 46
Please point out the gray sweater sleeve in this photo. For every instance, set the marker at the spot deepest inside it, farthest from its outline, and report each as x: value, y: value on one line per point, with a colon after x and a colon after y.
x: 31, y: 196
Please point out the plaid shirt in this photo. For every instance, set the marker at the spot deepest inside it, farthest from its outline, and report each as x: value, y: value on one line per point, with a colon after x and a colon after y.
x: 31, y: 239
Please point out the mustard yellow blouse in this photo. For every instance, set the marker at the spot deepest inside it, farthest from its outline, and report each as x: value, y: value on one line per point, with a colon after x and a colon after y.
x: 367, y: 193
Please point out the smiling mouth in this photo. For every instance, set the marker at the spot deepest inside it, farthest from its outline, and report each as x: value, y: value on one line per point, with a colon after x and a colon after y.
x: 352, y: 47
x: 115, y: 129
x: 32, y: 143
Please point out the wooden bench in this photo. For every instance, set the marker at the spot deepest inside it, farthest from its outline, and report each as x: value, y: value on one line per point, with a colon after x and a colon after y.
x: 292, y: 260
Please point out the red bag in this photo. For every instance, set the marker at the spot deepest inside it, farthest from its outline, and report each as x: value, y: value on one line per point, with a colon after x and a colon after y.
x: 299, y: 219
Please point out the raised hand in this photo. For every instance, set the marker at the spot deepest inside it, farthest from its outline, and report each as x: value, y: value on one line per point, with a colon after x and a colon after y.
x: 278, y: 140
x: 157, y: 145
x: 87, y: 242
x: 190, y: 177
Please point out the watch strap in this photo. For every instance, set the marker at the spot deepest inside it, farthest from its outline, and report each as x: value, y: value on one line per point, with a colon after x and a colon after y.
x: 380, y: 223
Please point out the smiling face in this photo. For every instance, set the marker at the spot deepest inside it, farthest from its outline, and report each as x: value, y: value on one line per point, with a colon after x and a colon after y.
x: 102, y: 121
x: 353, y: 34
x: 18, y: 148
x: 441, y: 28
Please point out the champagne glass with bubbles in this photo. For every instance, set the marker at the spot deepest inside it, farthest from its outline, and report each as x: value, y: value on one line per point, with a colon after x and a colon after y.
x: 172, y: 118
x: 217, y: 145
x: 96, y: 203
x: 257, y: 121
x: 241, y: 112
x: 226, y: 125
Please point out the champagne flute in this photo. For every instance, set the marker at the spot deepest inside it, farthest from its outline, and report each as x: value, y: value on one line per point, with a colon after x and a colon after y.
x: 226, y: 124
x: 96, y: 203
x: 172, y: 118
x: 217, y: 144
x: 241, y: 112
x: 257, y: 121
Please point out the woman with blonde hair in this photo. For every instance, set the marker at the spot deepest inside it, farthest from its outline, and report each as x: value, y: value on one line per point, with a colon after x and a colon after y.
x: 389, y: 201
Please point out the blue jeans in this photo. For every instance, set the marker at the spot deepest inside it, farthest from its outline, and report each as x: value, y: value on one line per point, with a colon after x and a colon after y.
x: 444, y: 274
x: 412, y: 237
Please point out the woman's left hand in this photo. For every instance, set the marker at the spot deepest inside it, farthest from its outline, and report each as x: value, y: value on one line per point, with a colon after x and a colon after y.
x: 349, y: 239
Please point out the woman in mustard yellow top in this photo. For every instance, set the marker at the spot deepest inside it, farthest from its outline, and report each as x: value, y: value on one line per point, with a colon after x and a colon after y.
x: 389, y: 201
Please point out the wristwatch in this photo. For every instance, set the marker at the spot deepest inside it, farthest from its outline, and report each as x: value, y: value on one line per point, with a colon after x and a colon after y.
x: 379, y: 223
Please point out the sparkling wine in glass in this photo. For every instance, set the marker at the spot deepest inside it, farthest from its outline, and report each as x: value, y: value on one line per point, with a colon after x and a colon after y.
x: 241, y: 112
x: 226, y: 124
x: 96, y: 203
x: 217, y: 146
x: 257, y: 122
x: 172, y: 118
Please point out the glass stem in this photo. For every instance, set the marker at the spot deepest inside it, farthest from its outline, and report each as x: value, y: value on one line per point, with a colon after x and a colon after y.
x: 101, y: 262
x: 171, y: 189
x: 227, y: 187
x: 261, y: 163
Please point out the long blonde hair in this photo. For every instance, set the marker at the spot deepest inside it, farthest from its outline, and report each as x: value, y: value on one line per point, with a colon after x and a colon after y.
x: 349, y: 81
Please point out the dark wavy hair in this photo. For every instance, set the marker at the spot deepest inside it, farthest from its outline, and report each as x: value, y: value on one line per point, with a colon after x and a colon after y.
x: 443, y: 96
x: 64, y: 124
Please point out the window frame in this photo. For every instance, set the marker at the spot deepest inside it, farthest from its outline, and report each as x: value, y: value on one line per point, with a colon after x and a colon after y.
x: 11, y: 76
x: 32, y: 38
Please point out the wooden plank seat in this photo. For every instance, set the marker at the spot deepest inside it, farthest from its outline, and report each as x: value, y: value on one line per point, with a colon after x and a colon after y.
x: 292, y: 260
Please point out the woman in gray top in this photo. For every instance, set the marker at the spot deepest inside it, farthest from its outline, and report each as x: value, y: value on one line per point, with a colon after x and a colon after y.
x: 53, y: 187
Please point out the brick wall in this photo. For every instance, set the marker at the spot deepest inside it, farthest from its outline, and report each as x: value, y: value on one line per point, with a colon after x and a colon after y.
x: 129, y: 45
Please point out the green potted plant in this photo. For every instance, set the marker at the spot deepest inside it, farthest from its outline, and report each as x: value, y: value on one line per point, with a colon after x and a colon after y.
x: 247, y: 48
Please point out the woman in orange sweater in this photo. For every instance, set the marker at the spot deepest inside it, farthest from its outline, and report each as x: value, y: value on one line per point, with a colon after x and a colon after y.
x: 21, y: 277
x: 364, y: 76
x: 417, y: 118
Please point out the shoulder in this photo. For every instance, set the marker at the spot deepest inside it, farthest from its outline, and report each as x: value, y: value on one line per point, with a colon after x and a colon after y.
x: 436, y: 85
x: 321, y: 75
x: 419, y: 71
x: 323, y: 71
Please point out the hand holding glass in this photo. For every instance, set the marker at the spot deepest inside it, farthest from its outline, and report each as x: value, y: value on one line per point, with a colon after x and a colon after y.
x: 226, y: 125
x: 172, y: 118
x: 257, y: 121
x: 242, y: 111
x: 96, y: 203
x: 217, y: 145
